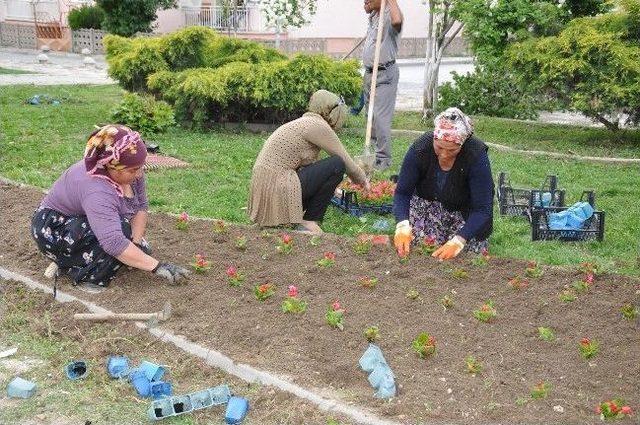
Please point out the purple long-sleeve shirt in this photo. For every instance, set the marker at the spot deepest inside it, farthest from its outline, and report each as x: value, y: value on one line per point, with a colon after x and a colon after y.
x: 76, y: 193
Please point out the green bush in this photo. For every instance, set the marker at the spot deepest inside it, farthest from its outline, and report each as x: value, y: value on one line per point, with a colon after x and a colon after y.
x: 210, y: 78
x: 128, y: 17
x: 132, y: 61
x: 86, y: 17
x: 491, y: 90
x: 144, y: 113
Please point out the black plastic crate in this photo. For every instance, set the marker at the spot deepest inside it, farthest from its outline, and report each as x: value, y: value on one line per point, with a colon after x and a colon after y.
x: 593, y: 228
x: 519, y: 202
x: 348, y: 203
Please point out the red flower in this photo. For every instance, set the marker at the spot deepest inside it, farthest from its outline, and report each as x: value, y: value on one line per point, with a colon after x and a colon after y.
x: 380, y: 239
x: 293, y: 291
x: 485, y: 252
x: 585, y: 342
x: 330, y: 255
x: 232, y: 271
x: 336, y: 306
x: 183, y: 216
x: 287, y: 239
x: 613, y: 407
x: 485, y: 307
x: 264, y: 287
x: 430, y: 240
x: 626, y: 410
x: 588, y: 279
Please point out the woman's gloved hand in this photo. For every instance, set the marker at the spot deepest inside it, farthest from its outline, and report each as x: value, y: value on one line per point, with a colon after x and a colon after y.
x: 171, y: 272
x: 403, y: 237
x: 144, y: 246
x: 451, y: 249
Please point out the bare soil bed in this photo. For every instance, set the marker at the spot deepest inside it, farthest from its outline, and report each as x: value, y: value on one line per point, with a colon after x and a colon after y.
x: 305, y: 349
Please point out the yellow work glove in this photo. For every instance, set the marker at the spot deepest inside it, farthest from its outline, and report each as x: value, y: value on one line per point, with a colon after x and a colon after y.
x: 403, y: 237
x: 450, y: 250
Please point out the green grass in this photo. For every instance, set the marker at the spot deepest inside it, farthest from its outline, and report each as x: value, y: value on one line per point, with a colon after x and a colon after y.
x: 13, y: 71
x: 39, y: 142
x: 530, y: 135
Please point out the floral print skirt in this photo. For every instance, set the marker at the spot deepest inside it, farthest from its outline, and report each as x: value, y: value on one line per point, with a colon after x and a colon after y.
x: 431, y: 219
x: 71, y: 244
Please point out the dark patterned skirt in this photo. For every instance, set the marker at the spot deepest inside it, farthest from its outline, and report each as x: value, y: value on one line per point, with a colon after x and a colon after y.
x: 431, y: 219
x: 71, y: 244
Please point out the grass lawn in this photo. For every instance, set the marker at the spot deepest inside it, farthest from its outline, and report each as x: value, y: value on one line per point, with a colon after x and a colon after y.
x: 13, y: 71
x: 39, y: 142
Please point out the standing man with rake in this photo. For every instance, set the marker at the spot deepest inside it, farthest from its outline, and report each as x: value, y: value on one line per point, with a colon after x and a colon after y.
x: 388, y: 74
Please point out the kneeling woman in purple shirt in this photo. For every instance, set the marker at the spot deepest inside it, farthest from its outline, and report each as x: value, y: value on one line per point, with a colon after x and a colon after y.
x: 93, y: 219
x: 445, y: 190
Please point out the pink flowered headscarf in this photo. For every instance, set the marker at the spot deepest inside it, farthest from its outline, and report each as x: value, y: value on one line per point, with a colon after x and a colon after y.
x: 113, y: 147
x: 453, y: 125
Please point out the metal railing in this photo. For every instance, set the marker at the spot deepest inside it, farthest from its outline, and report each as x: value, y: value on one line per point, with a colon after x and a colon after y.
x: 219, y: 18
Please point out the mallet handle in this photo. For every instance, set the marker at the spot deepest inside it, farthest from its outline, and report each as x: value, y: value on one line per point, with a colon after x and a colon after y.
x: 374, y: 76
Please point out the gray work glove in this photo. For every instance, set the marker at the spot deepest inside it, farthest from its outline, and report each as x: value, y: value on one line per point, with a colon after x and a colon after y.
x: 171, y: 272
x: 144, y: 246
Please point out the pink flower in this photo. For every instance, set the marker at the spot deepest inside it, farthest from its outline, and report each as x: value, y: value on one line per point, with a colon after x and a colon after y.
x: 287, y: 239
x: 184, y: 216
x: 485, y: 252
x: 430, y: 240
x: 336, y: 306
x: 380, y: 239
x: 626, y: 410
x: 232, y: 271
x: 598, y: 409
x: 588, y: 279
x: 330, y: 255
x: 293, y: 291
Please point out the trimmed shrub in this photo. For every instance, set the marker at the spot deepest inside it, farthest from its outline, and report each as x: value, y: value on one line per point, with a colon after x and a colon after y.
x: 144, y: 113
x: 86, y: 17
x: 210, y: 78
x: 491, y: 90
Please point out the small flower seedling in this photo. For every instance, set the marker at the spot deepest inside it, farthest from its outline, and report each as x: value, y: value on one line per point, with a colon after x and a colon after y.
x: 241, y: 243
x: 540, y: 390
x: 517, y: 283
x: 629, y: 311
x: 327, y: 260
x: 335, y: 315
x: 428, y: 245
x: 368, y: 282
x: 219, y: 227
x: 362, y: 245
x: 473, y: 365
x: 486, y: 312
x: 533, y: 270
x: 424, y: 345
x: 546, y: 334
x: 447, y: 302
x: 182, y: 222
x: 315, y: 240
x: 293, y: 304
x: 413, y: 294
x: 584, y: 284
x: 380, y: 240
x: 264, y: 291
x: 588, y: 348
x: 481, y: 260
x: 372, y: 333
x: 589, y: 268
x: 285, y: 244
x: 567, y: 296
x: 234, y: 277
x: 613, y: 409
x: 200, y: 265
x: 460, y: 273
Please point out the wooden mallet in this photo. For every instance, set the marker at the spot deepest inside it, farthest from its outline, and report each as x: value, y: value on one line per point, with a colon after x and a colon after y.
x: 160, y: 316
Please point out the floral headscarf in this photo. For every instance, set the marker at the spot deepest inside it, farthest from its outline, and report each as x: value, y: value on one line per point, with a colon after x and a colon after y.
x: 453, y: 125
x: 113, y: 147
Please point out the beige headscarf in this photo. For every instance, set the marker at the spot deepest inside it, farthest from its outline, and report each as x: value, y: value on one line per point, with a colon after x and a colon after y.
x: 329, y: 106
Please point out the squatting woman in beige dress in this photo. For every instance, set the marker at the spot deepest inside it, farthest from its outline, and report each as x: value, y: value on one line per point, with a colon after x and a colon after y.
x: 289, y: 184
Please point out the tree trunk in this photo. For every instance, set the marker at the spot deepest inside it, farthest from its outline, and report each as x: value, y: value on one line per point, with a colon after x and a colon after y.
x: 613, y: 126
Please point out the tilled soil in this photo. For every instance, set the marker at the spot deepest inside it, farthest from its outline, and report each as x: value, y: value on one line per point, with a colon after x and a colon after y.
x: 305, y: 349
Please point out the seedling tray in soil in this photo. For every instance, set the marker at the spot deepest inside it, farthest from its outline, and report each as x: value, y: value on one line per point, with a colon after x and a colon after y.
x: 303, y: 348
x: 348, y: 202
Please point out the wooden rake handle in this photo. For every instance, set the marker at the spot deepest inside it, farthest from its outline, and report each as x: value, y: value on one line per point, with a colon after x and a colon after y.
x: 374, y: 76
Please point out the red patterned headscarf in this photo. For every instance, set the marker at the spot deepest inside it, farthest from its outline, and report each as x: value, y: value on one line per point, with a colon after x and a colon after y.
x: 113, y: 147
x: 453, y: 125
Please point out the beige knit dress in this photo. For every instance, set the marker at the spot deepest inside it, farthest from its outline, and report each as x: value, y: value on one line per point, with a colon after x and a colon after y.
x: 275, y: 196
